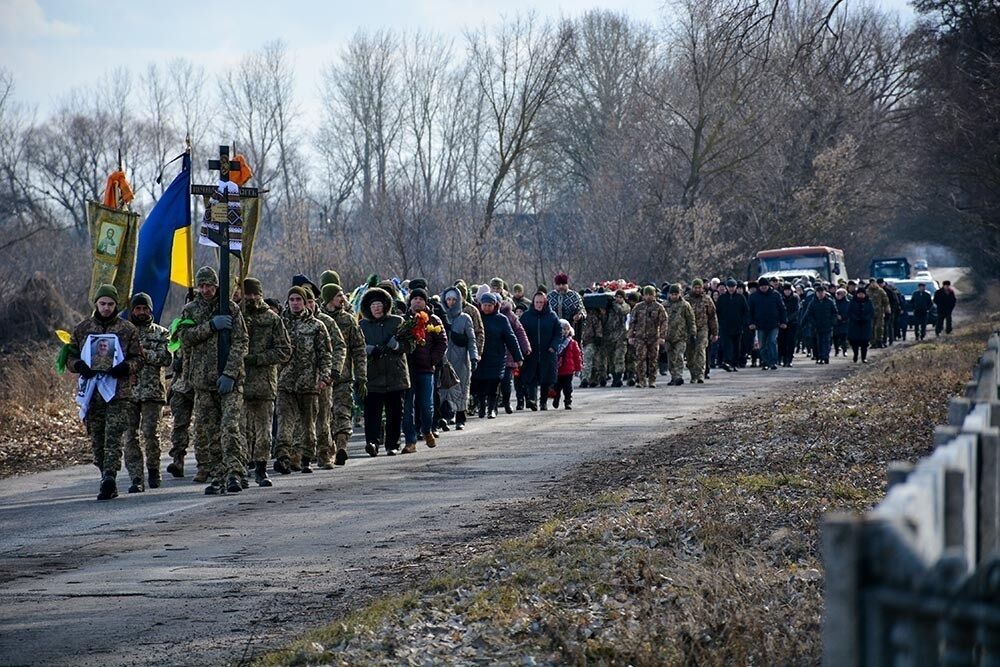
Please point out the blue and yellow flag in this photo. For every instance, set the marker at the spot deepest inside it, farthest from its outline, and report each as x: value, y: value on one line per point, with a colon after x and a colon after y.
x: 158, y: 237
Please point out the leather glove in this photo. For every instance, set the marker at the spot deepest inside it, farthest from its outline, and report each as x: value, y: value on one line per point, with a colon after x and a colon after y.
x: 393, y: 344
x: 473, y: 364
x: 120, y: 371
x: 221, y: 323
x: 80, y: 367
x: 361, y: 389
x: 225, y: 384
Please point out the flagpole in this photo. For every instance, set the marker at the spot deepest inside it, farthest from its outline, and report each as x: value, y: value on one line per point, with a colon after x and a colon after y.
x: 190, y: 232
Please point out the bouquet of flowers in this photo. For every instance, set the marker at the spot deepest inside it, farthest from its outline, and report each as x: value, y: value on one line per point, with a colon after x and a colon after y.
x: 414, y: 328
x: 620, y: 284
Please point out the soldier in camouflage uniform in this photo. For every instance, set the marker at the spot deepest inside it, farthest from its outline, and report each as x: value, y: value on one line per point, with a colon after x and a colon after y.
x: 300, y: 382
x: 180, y: 397
x: 615, y: 337
x: 148, y: 396
x: 268, y: 347
x: 355, y: 368
x: 107, y: 421
x: 680, y: 329
x: 646, y: 334
x: 880, y: 302
x: 218, y: 398
x: 632, y: 299
x: 594, y: 366
x: 324, y: 414
x: 706, y: 329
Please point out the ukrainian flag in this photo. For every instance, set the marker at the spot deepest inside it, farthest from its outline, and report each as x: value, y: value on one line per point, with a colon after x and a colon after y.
x: 164, y: 252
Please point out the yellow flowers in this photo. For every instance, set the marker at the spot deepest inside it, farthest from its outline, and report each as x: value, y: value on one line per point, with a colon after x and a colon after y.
x: 435, y: 328
x: 63, y: 336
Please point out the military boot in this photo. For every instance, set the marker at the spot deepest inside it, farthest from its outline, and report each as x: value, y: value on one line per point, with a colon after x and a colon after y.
x: 201, y: 476
x: 233, y: 485
x: 109, y: 487
x: 137, y: 486
x: 281, y: 465
x: 304, y: 466
x: 154, y: 478
x: 215, y: 488
x: 616, y: 379
x: 176, y: 467
x: 260, y: 474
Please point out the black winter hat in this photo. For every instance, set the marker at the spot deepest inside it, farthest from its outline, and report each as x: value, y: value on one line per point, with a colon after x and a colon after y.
x: 141, y: 299
x: 418, y: 283
x: 418, y: 292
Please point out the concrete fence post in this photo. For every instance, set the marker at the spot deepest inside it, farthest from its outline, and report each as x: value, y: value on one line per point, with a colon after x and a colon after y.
x: 841, y: 547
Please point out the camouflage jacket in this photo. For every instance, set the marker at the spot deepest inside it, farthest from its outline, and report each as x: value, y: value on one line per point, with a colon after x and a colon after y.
x: 649, y: 322
x: 311, y: 357
x: 155, y: 357
x: 704, y: 314
x: 202, y: 345
x: 681, y: 324
x: 338, y: 346
x: 593, y: 327
x: 879, y: 299
x: 128, y: 338
x: 614, y: 323
x: 355, y: 363
x: 267, y: 348
x: 180, y: 383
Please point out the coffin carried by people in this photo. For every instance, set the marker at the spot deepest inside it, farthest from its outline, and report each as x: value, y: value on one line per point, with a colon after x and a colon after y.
x: 597, y: 301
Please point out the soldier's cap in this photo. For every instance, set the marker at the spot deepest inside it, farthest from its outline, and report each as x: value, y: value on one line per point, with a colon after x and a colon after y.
x: 731, y: 282
x: 329, y: 277
x: 697, y: 282
x: 518, y: 287
x: 252, y: 286
x: 497, y: 283
x: 648, y: 290
x: 675, y: 288
x: 299, y: 291
x: 329, y: 291
x: 620, y: 293
x: 206, y: 276
x: 418, y: 292
x: 107, y: 290
x: 141, y: 299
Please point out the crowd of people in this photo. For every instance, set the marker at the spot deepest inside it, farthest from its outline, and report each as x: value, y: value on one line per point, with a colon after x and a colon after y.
x: 284, y: 382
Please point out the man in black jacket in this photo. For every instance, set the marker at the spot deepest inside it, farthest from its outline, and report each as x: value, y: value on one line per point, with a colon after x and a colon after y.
x: 733, y: 313
x: 945, y: 301
x: 921, y: 303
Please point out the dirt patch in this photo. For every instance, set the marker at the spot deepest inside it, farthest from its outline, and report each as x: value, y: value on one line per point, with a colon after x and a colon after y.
x: 701, y: 549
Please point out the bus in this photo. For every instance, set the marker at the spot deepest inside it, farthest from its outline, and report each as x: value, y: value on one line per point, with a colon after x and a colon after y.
x: 809, y: 263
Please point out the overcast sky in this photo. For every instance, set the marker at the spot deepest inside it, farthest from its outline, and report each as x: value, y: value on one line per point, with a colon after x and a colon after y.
x: 53, y: 45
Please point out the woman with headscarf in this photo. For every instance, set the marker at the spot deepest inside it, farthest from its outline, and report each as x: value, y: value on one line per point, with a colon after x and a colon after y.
x: 507, y: 382
x: 539, y: 368
x: 462, y: 354
x: 500, y: 338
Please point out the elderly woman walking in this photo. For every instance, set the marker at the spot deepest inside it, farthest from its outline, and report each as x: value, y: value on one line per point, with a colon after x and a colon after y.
x: 539, y: 368
x: 462, y: 354
x: 500, y: 338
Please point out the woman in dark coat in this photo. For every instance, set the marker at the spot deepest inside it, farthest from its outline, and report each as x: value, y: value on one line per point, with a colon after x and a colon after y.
x: 860, y: 317
x: 544, y: 332
x: 500, y: 339
x: 840, y: 329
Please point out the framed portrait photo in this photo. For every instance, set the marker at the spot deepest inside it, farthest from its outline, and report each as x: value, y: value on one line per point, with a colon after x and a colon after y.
x: 110, y: 240
x: 103, y: 349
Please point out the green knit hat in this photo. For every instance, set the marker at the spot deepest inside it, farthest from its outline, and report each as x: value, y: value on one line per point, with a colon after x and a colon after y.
x: 107, y: 290
x: 141, y: 299
x: 329, y: 291
x: 300, y: 291
x: 252, y: 286
x: 649, y: 290
x: 518, y: 287
x: 206, y: 276
x: 675, y: 288
x: 697, y: 282
x: 497, y: 283
x: 463, y: 290
x: 329, y: 277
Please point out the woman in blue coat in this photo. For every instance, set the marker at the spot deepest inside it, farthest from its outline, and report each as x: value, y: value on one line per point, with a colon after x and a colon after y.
x: 500, y: 339
x: 539, y: 368
x: 860, y: 316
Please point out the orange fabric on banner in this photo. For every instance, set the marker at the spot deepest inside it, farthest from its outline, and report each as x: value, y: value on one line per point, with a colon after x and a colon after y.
x: 124, y: 190
x: 244, y: 174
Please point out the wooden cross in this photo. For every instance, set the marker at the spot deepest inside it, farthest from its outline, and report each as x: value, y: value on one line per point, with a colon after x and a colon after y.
x: 221, y: 237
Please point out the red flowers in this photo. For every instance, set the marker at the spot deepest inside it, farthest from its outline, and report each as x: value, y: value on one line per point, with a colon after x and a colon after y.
x: 415, y: 328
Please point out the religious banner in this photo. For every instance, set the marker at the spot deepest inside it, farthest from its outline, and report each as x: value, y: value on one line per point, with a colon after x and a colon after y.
x: 251, y: 217
x: 113, y: 236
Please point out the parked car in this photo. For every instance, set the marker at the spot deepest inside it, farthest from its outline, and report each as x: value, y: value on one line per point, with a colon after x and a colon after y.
x: 920, y: 266
x: 908, y: 287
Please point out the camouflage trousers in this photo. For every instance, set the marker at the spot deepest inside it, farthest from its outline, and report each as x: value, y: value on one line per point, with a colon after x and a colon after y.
x: 696, y: 351
x: 595, y: 367
x: 675, y: 358
x: 646, y: 353
x: 324, y: 423
x: 615, y: 355
x: 181, y: 408
x: 630, y: 362
x: 878, y: 329
x: 259, y: 416
x: 296, y: 411
x: 106, y: 424
x: 218, y: 420
x: 342, y: 409
x: 144, y: 422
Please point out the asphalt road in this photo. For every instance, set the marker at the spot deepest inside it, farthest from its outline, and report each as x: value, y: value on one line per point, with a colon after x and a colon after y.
x: 175, y: 577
